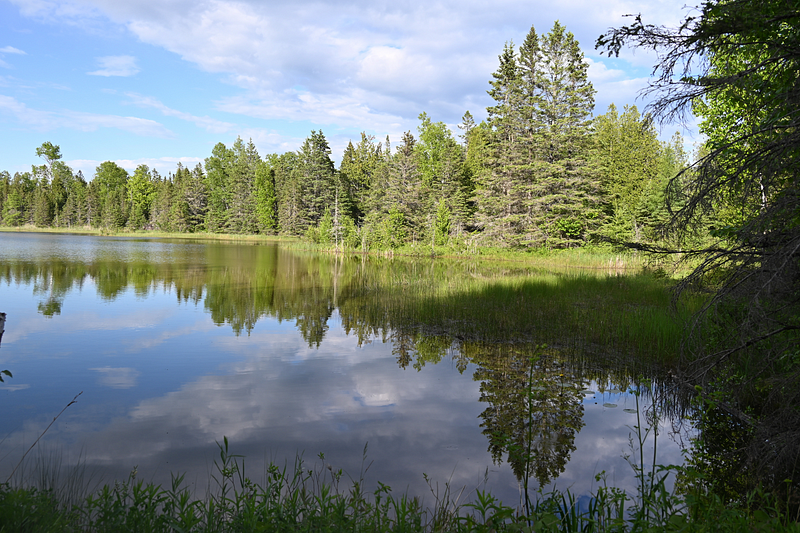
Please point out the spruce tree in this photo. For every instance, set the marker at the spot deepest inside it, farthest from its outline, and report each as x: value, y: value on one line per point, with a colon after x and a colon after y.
x: 496, y: 194
x: 539, y: 188
x: 242, y: 215
x: 316, y: 173
x: 195, y: 194
x: 218, y: 170
x: 627, y: 153
x: 442, y: 168
x: 289, y: 193
x: 358, y: 170
x: 266, y: 199
x: 404, y: 192
x: 564, y: 193
x: 17, y: 205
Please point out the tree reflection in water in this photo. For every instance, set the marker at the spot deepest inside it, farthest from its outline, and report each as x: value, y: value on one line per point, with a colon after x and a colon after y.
x: 535, y: 409
x: 468, y: 312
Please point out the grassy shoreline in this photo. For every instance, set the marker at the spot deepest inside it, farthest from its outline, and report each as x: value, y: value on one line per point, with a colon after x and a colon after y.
x: 595, y: 257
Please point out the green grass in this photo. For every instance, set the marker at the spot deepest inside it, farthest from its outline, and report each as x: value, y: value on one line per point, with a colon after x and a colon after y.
x: 319, y: 499
x: 592, y: 257
x: 86, y: 230
x: 630, y: 316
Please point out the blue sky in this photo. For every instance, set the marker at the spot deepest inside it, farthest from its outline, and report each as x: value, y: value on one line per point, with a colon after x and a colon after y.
x: 161, y: 81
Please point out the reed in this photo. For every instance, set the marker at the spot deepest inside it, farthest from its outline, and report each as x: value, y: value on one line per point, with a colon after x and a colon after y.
x: 306, y: 498
x: 631, y: 316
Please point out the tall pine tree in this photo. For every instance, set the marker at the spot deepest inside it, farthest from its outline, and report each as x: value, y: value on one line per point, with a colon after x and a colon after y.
x: 540, y: 188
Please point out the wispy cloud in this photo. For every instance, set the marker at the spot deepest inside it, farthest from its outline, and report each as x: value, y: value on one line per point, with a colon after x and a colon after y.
x: 375, y: 66
x: 117, y: 378
x: 207, y: 123
x: 77, y: 120
x: 11, y: 50
x: 116, y: 66
x: 346, y: 65
x: 12, y: 388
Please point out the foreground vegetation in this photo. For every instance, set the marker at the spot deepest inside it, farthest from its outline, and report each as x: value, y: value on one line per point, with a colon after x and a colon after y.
x: 317, y: 498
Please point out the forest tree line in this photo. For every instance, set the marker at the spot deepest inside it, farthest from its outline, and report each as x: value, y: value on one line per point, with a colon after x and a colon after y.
x: 540, y: 171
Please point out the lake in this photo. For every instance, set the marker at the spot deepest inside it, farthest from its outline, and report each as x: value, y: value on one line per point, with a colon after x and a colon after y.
x: 176, y: 344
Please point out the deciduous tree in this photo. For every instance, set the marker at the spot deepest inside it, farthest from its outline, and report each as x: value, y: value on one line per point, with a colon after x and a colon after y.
x: 736, y: 62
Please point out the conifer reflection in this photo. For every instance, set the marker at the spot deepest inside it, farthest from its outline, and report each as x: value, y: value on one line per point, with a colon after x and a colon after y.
x: 535, y: 409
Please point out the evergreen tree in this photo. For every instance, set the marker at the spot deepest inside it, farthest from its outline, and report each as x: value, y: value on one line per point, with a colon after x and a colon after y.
x: 564, y: 197
x: 657, y: 196
x: 627, y: 153
x: 373, y: 227
x: 42, y: 205
x: 404, y: 198
x: 316, y: 174
x: 115, y: 209
x: 195, y: 195
x: 466, y: 126
x: 74, y: 211
x: 218, y: 170
x: 541, y: 189
x: 358, y: 170
x: 5, y: 185
x: 19, y: 200
x: 442, y: 168
x: 161, y: 211
x: 266, y: 199
x: 242, y: 212
x: 93, y: 208
x: 178, y: 205
x: 289, y: 194
x: 496, y: 196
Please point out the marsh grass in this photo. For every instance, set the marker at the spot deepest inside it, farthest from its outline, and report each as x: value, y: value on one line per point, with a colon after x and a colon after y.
x: 630, y: 316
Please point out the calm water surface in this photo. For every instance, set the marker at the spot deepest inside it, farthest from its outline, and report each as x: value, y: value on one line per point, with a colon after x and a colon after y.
x: 176, y: 344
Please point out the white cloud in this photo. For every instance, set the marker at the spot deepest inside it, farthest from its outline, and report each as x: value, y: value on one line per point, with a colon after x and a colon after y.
x: 362, y: 66
x: 117, y: 378
x: 615, y: 86
x: 76, y: 13
x: 269, y: 141
x: 139, y: 126
x: 39, y: 120
x: 116, y: 66
x: 78, y: 120
x: 11, y: 388
x: 11, y: 50
x: 319, y: 108
x: 207, y: 123
x: 372, y: 66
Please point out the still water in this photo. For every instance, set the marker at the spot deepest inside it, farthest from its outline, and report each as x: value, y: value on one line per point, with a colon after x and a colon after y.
x: 177, y: 344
